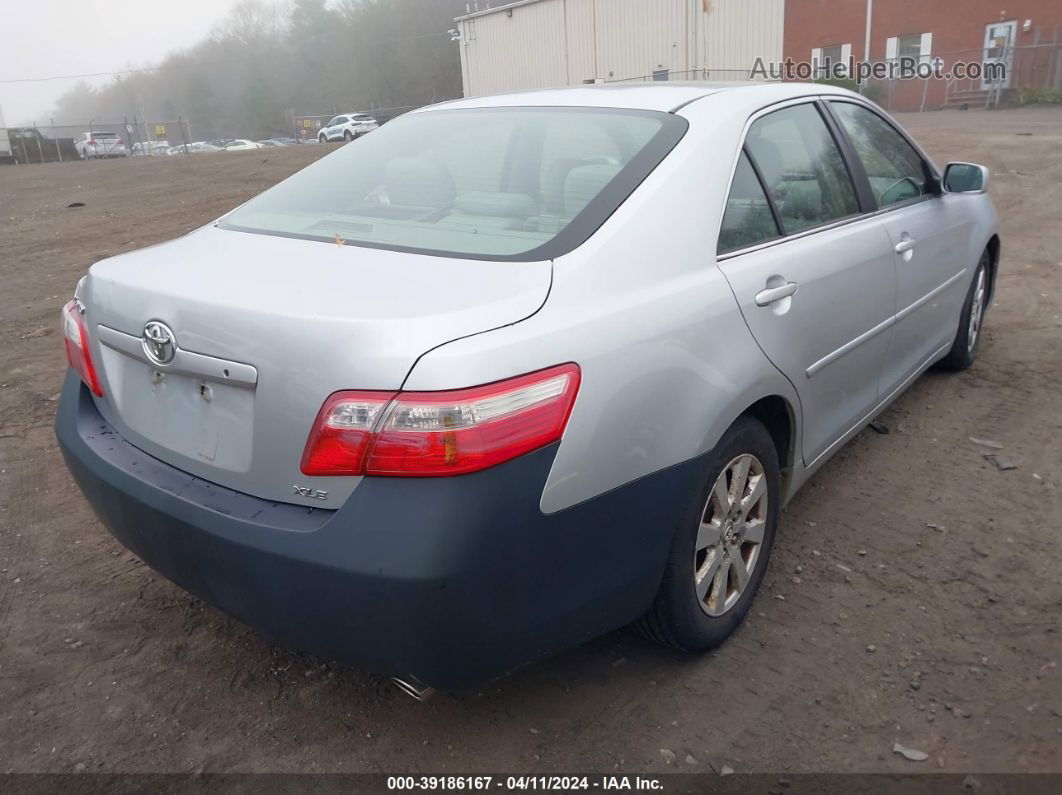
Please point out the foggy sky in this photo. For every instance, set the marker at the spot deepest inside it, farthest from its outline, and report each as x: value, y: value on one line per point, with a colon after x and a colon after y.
x: 42, y: 38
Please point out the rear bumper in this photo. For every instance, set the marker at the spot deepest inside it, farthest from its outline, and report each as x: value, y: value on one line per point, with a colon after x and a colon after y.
x: 453, y: 580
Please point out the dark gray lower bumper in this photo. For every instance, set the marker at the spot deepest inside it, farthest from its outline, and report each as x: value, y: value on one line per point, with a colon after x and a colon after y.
x: 453, y: 580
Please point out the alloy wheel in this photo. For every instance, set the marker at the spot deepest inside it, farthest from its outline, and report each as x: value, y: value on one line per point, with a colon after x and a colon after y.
x: 730, y: 535
x: 977, y: 312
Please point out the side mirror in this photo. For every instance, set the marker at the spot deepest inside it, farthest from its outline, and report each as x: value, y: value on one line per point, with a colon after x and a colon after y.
x: 965, y: 178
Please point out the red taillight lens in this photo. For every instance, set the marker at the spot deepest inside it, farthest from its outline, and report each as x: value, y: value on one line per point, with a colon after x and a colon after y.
x: 431, y: 434
x: 451, y: 433
x: 76, y: 342
x: 342, y: 432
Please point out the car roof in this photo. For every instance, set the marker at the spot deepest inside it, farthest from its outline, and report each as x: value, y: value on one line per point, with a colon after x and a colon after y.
x: 666, y: 96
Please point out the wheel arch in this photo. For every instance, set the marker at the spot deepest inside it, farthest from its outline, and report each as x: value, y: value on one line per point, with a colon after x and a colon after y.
x: 994, y: 248
x: 778, y: 416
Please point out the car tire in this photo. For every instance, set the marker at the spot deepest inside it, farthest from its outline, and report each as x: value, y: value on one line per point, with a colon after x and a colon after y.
x: 348, y: 135
x: 322, y: 138
x: 971, y: 321
x: 696, y: 607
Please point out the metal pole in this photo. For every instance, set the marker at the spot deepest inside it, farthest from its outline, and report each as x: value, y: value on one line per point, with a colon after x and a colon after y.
x: 40, y: 148
x: 866, y: 41
x: 143, y: 117
x: 58, y: 150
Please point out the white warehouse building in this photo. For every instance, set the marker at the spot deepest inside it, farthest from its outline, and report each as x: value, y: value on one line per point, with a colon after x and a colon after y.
x: 531, y: 44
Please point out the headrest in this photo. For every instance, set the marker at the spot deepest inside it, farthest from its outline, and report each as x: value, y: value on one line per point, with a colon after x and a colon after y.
x: 584, y: 183
x: 769, y: 160
x: 419, y: 182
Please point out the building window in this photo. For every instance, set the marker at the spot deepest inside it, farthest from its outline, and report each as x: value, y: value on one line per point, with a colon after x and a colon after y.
x: 660, y: 74
x: 912, y: 45
x: 825, y: 60
x: 909, y: 46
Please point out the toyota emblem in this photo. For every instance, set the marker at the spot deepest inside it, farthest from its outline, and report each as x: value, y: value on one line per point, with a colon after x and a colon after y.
x: 159, y: 343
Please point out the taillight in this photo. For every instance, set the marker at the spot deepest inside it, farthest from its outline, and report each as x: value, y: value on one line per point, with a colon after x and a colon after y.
x: 342, y: 432
x: 76, y: 342
x: 431, y: 434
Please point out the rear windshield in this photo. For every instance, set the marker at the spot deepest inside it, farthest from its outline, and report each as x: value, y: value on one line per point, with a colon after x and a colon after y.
x: 497, y: 183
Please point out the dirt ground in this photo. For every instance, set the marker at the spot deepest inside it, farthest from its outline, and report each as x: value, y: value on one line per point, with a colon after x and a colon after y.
x: 915, y: 593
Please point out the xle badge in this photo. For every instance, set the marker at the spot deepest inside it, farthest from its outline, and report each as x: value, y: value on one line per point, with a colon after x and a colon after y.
x: 306, y: 491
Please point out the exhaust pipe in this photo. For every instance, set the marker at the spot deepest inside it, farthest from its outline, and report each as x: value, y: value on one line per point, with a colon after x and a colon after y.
x: 413, y: 687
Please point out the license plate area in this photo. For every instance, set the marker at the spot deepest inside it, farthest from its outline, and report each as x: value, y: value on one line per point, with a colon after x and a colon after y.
x: 200, y: 418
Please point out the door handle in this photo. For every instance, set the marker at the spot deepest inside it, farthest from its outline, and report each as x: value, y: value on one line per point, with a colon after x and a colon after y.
x: 905, y: 245
x: 772, y: 294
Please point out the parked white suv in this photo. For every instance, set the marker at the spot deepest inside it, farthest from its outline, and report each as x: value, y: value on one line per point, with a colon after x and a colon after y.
x: 347, y: 127
x: 100, y: 144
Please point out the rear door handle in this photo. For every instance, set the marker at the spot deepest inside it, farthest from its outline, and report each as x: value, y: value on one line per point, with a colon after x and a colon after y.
x: 772, y: 294
x: 905, y: 245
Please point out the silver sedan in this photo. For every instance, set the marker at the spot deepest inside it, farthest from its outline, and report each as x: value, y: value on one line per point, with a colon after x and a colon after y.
x: 516, y: 371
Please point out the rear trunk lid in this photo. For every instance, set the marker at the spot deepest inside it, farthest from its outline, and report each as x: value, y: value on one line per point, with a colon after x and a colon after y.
x: 265, y: 328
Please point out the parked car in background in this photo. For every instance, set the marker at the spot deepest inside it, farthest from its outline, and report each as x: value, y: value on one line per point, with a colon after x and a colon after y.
x: 196, y: 147
x: 565, y: 395
x: 99, y: 144
x: 279, y: 142
x: 347, y: 127
x: 145, y: 148
x: 239, y: 144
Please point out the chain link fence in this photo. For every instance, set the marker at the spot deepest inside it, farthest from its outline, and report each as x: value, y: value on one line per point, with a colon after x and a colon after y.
x: 666, y: 75
x: 47, y: 143
x: 53, y: 142
x: 307, y: 126
x: 1031, y: 73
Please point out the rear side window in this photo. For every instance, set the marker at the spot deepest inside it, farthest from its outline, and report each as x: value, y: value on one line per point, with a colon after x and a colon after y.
x: 895, y: 170
x: 568, y: 146
x: 492, y: 183
x: 802, y: 168
x: 747, y: 219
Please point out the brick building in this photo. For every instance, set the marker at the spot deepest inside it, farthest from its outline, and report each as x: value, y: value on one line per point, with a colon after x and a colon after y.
x: 1026, y: 35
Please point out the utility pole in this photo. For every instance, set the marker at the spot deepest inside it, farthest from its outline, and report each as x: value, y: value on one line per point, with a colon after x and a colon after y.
x: 58, y: 151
